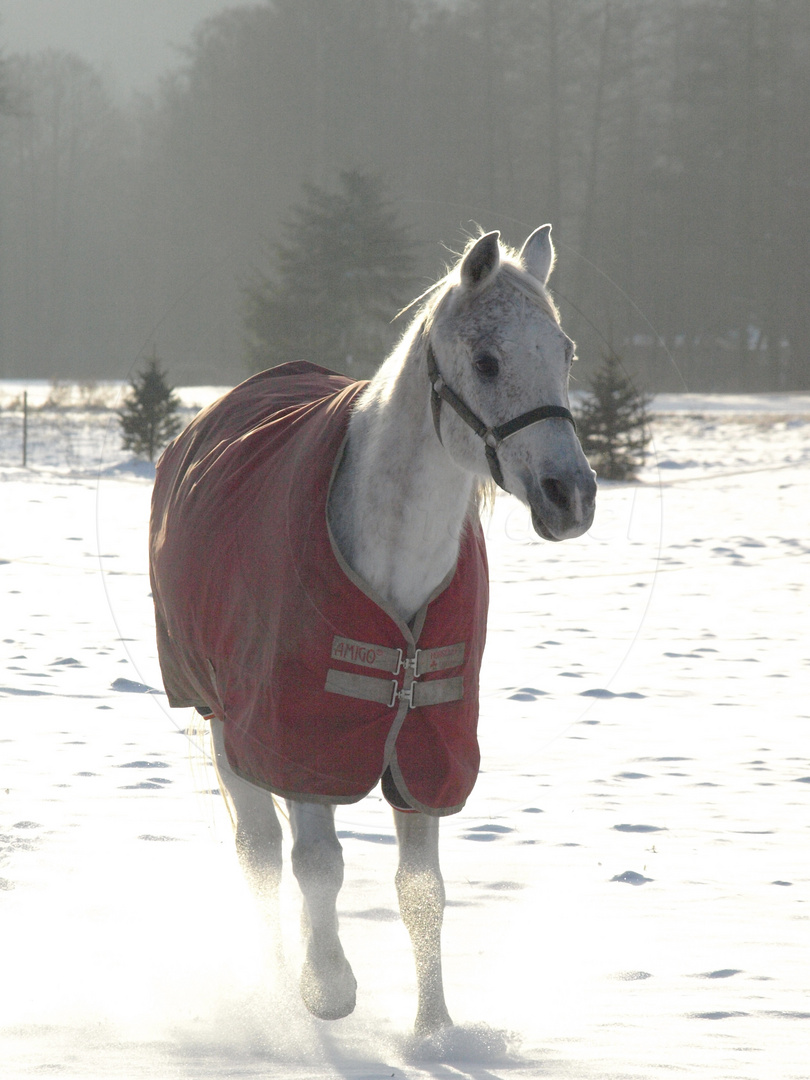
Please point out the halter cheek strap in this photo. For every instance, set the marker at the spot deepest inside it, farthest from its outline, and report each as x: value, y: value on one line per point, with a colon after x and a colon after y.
x: 492, y: 436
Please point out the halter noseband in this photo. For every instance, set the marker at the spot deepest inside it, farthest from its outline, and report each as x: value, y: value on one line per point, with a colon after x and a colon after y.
x: 492, y: 436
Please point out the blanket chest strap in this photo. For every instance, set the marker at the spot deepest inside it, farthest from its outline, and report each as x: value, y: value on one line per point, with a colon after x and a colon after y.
x: 382, y: 658
x: 387, y: 691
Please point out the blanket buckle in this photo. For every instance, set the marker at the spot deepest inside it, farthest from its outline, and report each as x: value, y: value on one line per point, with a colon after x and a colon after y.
x: 406, y: 662
x: 405, y: 694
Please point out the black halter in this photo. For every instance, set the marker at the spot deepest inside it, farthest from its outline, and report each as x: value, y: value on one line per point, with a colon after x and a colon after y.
x: 493, y: 437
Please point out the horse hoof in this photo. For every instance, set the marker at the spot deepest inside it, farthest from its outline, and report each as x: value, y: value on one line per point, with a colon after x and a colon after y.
x: 329, y: 991
x: 435, y: 1024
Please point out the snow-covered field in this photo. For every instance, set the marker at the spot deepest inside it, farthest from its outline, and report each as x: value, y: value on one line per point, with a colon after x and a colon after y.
x: 629, y: 885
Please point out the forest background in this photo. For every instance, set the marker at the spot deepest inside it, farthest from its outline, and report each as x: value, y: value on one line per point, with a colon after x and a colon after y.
x: 667, y: 140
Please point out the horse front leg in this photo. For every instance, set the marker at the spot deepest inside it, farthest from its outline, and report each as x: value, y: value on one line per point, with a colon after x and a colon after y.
x: 421, y: 903
x: 258, y: 830
x: 328, y: 985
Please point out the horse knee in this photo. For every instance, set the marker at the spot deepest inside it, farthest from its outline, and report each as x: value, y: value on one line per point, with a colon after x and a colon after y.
x: 318, y: 860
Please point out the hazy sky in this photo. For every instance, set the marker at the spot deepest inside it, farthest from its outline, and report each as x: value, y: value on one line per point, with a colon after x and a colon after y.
x: 131, y: 40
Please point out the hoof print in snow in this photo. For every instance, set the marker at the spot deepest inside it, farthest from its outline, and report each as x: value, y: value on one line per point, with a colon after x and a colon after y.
x: 716, y: 1015
x: 632, y: 976
x: 128, y: 686
x: 487, y: 832
x: 781, y: 883
x: 527, y: 693
x: 6, y: 885
x: 639, y: 828
x: 600, y: 692
x: 18, y: 692
x: 721, y: 973
x: 153, y: 782
x: 630, y: 877
x: 145, y: 765
x: 149, y: 836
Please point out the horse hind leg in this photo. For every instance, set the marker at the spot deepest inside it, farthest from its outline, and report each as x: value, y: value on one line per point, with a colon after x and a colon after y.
x: 258, y: 830
x: 328, y: 985
x: 420, y: 889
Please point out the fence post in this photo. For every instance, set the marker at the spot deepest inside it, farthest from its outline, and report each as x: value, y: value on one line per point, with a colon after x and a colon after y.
x: 25, y: 430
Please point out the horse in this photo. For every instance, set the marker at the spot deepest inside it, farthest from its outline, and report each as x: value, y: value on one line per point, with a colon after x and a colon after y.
x: 386, y: 509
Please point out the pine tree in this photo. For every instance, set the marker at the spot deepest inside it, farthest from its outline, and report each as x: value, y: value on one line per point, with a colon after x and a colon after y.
x: 613, y: 423
x: 149, y: 415
x: 344, y: 270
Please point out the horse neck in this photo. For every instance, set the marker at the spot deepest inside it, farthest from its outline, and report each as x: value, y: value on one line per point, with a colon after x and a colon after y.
x: 399, y: 502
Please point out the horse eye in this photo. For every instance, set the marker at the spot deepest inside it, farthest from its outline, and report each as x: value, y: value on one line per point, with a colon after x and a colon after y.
x: 487, y: 365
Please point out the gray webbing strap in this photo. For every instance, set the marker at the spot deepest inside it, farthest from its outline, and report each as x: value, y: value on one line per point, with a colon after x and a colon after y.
x: 364, y: 687
x: 382, y: 658
x: 437, y: 691
x: 387, y: 691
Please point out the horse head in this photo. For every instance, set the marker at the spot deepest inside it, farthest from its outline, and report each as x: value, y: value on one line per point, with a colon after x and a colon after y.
x: 497, y: 355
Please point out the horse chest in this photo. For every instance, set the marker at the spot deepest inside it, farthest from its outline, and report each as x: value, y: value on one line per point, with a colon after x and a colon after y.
x: 400, y: 534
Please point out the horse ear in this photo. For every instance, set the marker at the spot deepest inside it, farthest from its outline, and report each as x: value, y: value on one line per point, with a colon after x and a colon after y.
x: 537, y: 254
x: 483, y: 259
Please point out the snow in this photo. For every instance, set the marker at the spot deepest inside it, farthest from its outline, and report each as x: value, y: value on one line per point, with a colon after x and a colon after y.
x: 628, y: 886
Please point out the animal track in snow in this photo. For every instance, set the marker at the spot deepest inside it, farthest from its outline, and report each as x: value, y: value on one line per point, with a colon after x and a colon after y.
x: 145, y: 765
x: 129, y: 686
x: 639, y: 828
x: 602, y: 693
x: 527, y: 693
x: 721, y: 973
x: 487, y: 832
x: 631, y: 877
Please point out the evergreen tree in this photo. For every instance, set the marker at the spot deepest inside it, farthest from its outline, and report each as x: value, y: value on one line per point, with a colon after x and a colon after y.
x: 149, y: 415
x: 344, y: 270
x: 612, y: 422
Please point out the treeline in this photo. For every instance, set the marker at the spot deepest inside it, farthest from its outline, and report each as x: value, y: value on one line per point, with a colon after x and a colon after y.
x: 667, y: 141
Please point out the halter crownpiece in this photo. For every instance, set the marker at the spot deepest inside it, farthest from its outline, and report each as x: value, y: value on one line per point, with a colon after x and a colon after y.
x: 492, y: 436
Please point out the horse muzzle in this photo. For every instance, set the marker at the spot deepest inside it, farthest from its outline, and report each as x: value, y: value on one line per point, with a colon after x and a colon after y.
x: 562, y: 507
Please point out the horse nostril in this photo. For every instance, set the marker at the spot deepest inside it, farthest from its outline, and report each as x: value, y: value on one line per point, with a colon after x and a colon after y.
x: 555, y: 492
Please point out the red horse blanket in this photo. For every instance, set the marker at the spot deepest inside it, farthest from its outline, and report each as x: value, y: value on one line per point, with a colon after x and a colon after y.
x: 321, y: 686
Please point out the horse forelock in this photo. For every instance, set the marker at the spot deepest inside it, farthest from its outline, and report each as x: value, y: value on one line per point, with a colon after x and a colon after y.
x: 510, y: 272
x: 434, y: 302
